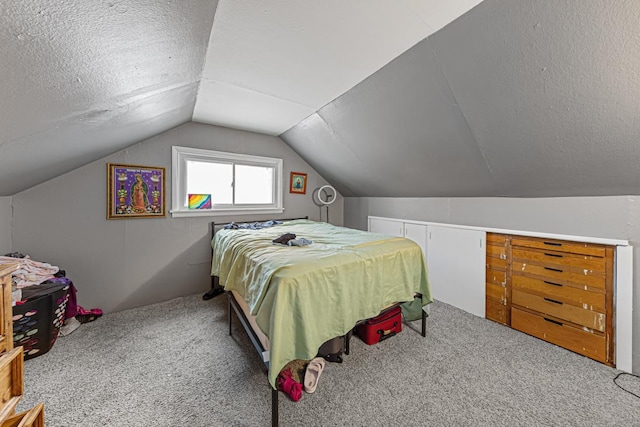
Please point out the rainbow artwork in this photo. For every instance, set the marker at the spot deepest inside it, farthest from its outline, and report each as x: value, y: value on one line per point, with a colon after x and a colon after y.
x: 199, y: 201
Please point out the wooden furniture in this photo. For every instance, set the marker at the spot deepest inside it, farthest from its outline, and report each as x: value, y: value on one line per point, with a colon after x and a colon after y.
x: 11, y: 364
x: 452, y: 282
x: 498, y: 274
x: 556, y: 290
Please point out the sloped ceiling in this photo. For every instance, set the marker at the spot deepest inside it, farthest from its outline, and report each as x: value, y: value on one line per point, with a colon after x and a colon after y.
x: 270, y: 64
x: 515, y: 98
x: 85, y: 78
x: 519, y: 98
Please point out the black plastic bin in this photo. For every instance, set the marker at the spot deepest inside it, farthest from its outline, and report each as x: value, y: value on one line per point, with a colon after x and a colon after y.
x: 37, y: 321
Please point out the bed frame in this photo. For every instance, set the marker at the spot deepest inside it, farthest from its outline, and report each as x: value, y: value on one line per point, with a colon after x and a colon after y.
x: 234, y: 306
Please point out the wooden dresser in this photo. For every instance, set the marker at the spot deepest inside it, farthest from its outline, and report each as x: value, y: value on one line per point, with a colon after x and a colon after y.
x: 555, y: 290
x: 11, y: 364
x: 498, y: 294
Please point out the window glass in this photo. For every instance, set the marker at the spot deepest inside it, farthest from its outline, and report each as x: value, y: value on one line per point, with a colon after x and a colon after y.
x: 254, y: 184
x: 224, y: 183
x: 210, y: 178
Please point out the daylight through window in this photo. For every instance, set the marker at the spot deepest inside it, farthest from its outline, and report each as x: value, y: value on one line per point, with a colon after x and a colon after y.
x: 207, y: 182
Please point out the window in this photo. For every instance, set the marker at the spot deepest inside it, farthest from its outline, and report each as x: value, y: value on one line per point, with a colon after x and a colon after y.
x: 237, y: 183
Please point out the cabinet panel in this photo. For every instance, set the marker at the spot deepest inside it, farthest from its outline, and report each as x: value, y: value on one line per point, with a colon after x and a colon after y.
x: 385, y: 226
x: 496, y: 311
x: 417, y: 233
x: 456, y: 259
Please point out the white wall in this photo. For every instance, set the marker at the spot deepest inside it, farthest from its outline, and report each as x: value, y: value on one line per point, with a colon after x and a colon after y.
x: 118, y: 264
x: 5, y: 225
x: 615, y: 217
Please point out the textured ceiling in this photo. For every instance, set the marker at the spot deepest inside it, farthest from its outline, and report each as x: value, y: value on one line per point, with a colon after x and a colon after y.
x: 271, y: 64
x: 524, y: 98
x: 85, y: 78
x: 515, y: 98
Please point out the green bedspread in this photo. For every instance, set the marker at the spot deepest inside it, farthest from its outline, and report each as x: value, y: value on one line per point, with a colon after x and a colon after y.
x: 304, y: 296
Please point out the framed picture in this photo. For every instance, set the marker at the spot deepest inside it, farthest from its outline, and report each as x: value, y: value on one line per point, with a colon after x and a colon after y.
x: 135, y: 191
x: 298, y: 183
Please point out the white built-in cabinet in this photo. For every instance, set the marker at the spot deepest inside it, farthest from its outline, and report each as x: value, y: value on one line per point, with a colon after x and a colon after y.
x: 390, y: 227
x: 398, y: 228
x: 417, y: 233
x: 455, y: 260
x: 456, y: 263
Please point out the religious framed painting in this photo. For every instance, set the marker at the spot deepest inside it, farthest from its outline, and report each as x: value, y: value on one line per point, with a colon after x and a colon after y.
x: 298, y: 183
x: 135, y: 191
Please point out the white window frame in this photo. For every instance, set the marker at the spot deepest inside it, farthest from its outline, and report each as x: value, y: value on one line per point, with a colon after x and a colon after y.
x: 179, y: 158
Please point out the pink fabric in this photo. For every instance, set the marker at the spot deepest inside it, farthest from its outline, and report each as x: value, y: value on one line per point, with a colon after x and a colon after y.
x: 29, y: 272
x: 288, y: 385
x: 72, y: 303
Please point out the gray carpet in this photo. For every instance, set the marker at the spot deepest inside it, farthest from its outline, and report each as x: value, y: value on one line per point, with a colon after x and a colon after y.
x: 174, y: 364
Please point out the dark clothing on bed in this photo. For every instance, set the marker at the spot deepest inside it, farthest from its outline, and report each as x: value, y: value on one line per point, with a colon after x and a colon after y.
x: 284, y: 239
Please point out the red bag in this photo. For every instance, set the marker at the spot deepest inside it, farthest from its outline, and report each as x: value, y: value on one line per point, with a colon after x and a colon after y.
x: 381, y: 327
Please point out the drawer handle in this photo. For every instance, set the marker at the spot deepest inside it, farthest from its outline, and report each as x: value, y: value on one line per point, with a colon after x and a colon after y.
x: 554, y: 255
x: 554, y: 269
x: 553, y: 301
x: 553, y: 321
x: 553, y: 244
x: 553, y: 284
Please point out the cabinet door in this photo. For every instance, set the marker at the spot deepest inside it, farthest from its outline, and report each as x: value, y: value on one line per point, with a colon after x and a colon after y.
x: 456, y: 262
x: 417, y: 233
x: 386, y: 226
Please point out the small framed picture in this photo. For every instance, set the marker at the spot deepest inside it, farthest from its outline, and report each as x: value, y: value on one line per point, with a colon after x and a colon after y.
x: 135, y: 191
x: 298, y: 183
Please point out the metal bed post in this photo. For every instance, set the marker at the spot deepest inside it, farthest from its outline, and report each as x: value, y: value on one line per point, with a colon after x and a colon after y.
x: 216, y: 289
x: 274, y: 407
x: 234, y: 307
x: 424, y: 315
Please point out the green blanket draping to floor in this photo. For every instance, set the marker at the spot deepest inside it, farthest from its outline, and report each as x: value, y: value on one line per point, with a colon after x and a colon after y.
x: 303, y: 296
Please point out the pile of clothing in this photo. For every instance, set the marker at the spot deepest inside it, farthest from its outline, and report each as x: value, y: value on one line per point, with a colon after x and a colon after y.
x: 290, y: 239
x: 34, y: 279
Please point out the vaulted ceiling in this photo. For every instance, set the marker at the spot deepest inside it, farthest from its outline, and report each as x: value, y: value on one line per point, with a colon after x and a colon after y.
x: 521, y: 98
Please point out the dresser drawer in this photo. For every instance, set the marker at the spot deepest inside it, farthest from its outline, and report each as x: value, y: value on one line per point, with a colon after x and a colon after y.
x: 11, y: 381
x: 559, y: 245
x: 556, y: 259
x: 499, y: 252
x: 496, y: 239
x: 555, y: 308
x: 496, y: 277
x: 34, y: 417
x: 497, y: 293
x: 497, y: 263
x: 560, y: 275
x: 496, y: 311
x: 590, y: 300
x: 590, y: 344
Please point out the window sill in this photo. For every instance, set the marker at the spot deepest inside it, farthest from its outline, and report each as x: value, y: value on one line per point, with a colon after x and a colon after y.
x: 224, y: 212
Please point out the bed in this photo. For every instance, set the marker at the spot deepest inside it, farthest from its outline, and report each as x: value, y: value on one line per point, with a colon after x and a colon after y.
x: 297, y: 298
